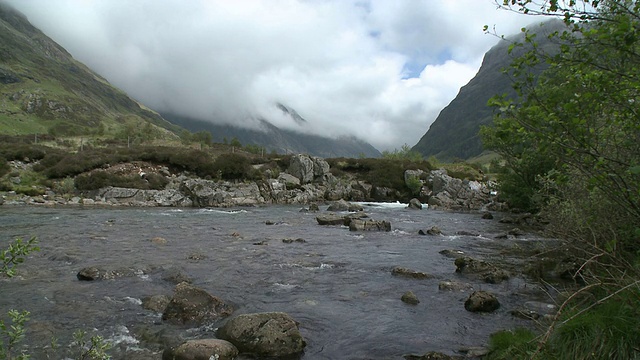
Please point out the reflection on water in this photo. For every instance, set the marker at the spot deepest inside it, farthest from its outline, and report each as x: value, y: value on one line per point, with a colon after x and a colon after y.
x: 337, y: 284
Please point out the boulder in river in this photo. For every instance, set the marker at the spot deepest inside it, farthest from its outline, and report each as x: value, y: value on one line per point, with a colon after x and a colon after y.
x: 273, y: 334
x: 402, y: 271
x: 331, y: 219
x: 434, y: 230
x: 487, y: 271
x: 190, y: 304
x: 410, y: 298
x: 342, y: 205
x: 448, y: 285
x: 482, y: 301
x: 202, y: 349
x: 369, y: 225
x: 91, y: 273
x: 156, y: 303
x: 415, y: 204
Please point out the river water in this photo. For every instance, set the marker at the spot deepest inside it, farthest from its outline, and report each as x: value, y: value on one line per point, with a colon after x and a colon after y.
x: 337, y: 284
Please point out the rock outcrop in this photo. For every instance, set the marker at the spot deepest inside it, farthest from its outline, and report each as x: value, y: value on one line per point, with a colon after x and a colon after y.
x: 456, y: 194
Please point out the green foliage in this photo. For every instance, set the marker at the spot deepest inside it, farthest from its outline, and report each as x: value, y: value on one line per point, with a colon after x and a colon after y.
x: 404, y: 153
x: 377, y: 172
x: 232, y: 166
x: 571, y: 148
x: 15, y: 254
x: 94, y: 348
x: 255, y: 149
x: 415, y: 185
x: 4, y: 166
x: 21, y: 151
x: 512, y: 344
x: 235, y: 142
x: 607, y: 331
x: 11, y: 334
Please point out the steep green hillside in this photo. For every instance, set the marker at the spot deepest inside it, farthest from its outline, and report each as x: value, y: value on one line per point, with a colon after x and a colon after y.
x: 44, y: 90
x: 454, y: 133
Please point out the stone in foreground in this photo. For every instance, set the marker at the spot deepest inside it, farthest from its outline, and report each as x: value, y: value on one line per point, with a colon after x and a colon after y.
x: 273, y: 334
x: 202, y: 349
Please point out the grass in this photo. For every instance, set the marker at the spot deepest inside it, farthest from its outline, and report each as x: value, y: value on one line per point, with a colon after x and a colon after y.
x: 609, y: 330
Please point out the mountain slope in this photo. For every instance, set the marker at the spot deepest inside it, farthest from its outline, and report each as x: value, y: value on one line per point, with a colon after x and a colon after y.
x: 44, y: 90
x: 454, y: 133
x: 279, y: 140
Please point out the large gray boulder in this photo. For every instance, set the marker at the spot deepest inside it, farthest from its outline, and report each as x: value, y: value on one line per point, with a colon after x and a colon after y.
x: 308, y: 168
x: 272, y: 334
x: 202, y: 349
x: 192, y: 305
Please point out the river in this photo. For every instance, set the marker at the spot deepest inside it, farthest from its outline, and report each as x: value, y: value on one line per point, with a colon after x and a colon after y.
x: 337, y: 284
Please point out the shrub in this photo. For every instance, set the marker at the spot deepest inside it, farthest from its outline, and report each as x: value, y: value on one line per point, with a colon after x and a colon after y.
x: 4, y: 167
x: 22, y: 152
x: 232, y: 166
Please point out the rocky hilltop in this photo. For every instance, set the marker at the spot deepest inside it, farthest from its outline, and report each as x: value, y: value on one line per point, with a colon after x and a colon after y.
x: 454, y: 133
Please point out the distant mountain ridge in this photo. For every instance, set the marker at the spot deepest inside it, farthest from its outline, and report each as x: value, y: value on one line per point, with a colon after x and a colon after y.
x: 280, y: 140
x: 454, y: 133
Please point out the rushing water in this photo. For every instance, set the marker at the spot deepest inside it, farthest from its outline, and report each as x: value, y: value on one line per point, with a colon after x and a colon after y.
x: 337, y: 284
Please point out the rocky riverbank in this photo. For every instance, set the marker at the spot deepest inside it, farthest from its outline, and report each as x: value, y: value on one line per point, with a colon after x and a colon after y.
x: 307, y: 180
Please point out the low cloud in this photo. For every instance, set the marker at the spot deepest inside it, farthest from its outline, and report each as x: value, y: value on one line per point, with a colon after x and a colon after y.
x: 380, y: 70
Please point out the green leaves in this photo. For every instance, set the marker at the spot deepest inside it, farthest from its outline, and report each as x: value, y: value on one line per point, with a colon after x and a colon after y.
x: 11, y: 335
x: 15, y: 254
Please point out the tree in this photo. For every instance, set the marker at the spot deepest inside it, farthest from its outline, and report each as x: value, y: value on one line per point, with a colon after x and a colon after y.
x: 571, y: 144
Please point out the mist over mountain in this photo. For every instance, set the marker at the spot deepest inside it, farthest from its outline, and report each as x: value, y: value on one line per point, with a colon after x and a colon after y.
x: 455, y: 132
x: 283, y: 141
x: 45, y: 90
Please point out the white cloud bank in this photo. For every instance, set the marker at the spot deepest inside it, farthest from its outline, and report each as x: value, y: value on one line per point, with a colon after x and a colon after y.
x: 378, y: 69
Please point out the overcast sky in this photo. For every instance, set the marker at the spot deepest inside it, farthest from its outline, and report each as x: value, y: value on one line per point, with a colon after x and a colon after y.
x: 378, y: 69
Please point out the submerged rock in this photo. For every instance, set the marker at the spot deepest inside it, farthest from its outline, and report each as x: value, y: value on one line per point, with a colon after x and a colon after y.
x: 272, y: 334
x: 410, y: 298
x: 434, y: 230
x: 190, y: 304
x: 454, y: 286
x: 402, y: 271
x: 157, y: 303
x: 90, y: 274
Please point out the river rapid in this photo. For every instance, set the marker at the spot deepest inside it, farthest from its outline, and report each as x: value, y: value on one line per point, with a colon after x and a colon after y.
x: 337, y: 284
